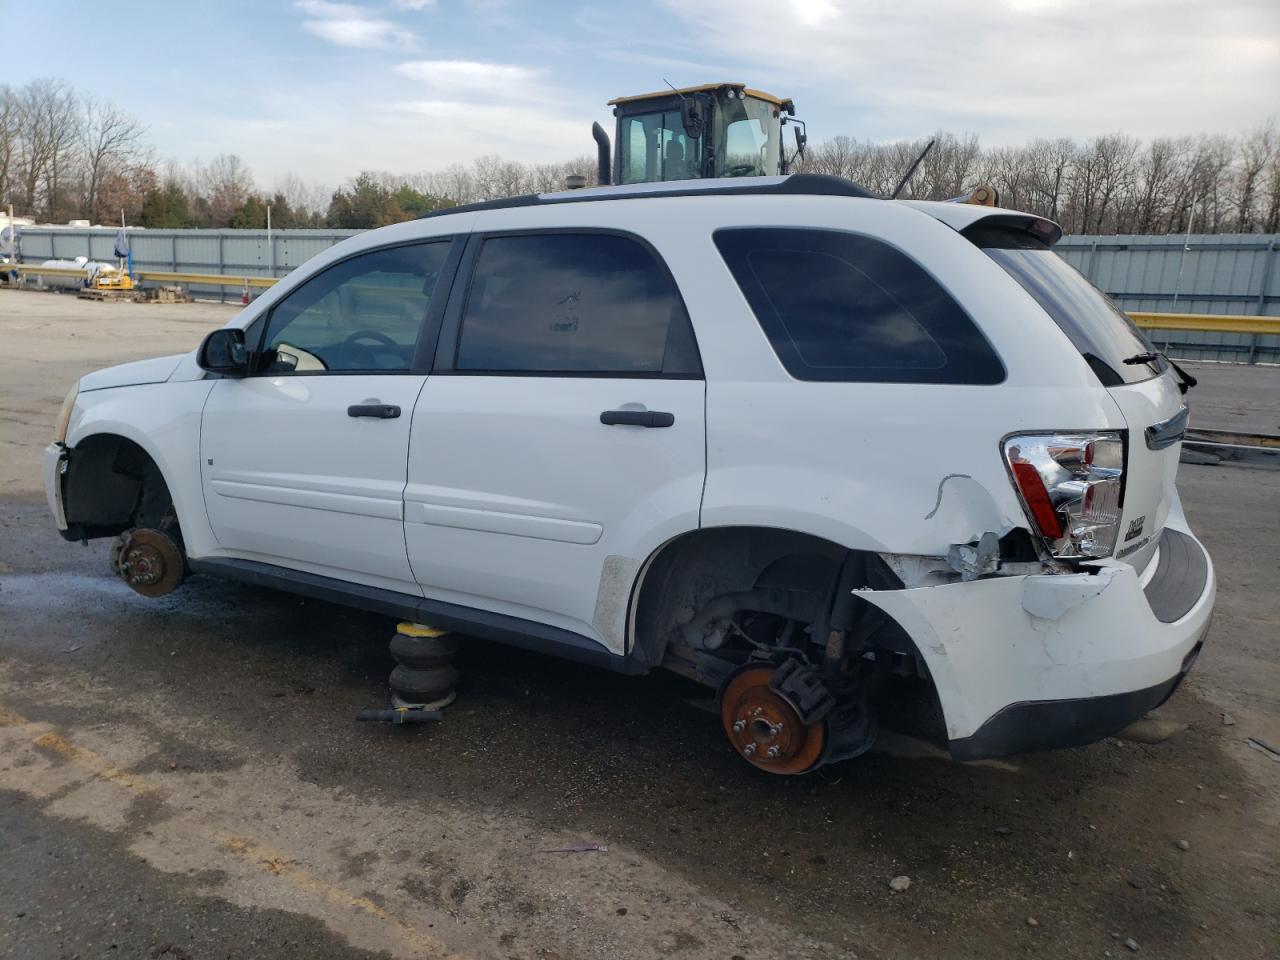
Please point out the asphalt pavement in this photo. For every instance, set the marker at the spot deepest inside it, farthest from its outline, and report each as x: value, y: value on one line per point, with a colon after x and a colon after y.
x: 183, y: 777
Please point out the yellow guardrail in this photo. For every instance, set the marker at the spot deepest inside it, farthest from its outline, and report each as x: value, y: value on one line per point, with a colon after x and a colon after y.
x: 1207, y: 322
x: 151, y: 276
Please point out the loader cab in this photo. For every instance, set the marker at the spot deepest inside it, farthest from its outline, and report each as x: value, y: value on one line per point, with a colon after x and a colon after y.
x: 714, y: 130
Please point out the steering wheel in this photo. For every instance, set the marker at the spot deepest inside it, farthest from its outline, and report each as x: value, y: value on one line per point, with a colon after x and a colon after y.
x: 740, y: 170
x: 349, y: 347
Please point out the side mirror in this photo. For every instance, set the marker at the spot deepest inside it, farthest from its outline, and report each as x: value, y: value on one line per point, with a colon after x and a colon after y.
x: 801, y: 139
x: 692, y: 117
x: 223, y: 351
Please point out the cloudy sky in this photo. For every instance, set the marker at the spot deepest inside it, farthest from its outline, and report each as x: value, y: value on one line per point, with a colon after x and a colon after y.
x: 324, y: 89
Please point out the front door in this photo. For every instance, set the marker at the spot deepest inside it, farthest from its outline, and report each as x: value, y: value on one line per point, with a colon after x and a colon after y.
x: 560, y: 439
x: 303, y: 461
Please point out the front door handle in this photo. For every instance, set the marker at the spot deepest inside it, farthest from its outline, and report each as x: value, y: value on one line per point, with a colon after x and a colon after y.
x: 637, y: 418
x: 381, y: 411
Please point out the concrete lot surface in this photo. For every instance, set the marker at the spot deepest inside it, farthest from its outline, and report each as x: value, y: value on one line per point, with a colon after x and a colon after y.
x: 182, y: 777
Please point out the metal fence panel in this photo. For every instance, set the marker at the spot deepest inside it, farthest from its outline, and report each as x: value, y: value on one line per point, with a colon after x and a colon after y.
x: 238, y: 252
x: 1217, y: 274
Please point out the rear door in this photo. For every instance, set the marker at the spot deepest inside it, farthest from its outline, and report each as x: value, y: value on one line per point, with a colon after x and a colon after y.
x: 303, y: 461
x: 1141, y: 383
x: 560, y: 438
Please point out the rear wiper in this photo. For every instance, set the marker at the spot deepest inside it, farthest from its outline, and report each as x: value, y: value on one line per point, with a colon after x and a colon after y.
x: 1185, y: 380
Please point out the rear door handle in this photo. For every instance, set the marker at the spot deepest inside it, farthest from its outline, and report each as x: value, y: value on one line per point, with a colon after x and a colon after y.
x: 637, y: 418
x: 381, y: 411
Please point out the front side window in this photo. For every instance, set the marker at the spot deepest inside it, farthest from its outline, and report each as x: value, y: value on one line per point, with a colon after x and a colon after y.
x: 844, y: 307
x: 365, y: 313
x: 574, y: 303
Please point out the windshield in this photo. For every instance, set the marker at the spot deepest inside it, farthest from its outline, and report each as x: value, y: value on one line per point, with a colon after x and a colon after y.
x: 653, y: 147
x: 1099, y: 329
x: 748, y: 135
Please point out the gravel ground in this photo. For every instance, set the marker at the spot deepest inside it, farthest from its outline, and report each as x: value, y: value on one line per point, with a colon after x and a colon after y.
x: 182, y: 777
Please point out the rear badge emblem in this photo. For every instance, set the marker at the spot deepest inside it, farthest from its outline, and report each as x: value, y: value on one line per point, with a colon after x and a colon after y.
x: 1135, y: 529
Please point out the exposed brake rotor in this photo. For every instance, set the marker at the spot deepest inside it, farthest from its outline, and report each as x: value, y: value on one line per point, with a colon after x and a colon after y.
x: 765, y: 728
x: 148, y: 560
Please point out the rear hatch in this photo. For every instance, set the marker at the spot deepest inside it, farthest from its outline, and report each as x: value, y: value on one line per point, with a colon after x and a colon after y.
x: 1142, y: 383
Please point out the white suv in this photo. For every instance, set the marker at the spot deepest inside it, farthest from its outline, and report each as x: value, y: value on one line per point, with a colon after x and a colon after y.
x: 802, y: 444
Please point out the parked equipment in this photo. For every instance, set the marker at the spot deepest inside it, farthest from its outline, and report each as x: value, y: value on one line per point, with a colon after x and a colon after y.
x: 711, y: 130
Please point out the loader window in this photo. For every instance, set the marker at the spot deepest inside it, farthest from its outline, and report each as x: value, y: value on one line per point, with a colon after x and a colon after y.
x: 838, y: 306
x: 585, y: 304
x: 751, y: 139
x: 655, y: 148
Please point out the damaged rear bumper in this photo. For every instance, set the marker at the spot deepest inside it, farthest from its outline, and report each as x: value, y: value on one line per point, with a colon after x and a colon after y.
x: 1038, y: 662
x: 1053, y: 724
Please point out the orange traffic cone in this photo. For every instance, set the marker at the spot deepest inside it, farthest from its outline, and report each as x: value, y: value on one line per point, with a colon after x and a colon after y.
x: 244, y: 297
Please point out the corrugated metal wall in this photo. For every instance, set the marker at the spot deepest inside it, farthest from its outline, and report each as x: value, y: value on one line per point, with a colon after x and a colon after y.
x: 1214, y: 274
x: 237, y: 252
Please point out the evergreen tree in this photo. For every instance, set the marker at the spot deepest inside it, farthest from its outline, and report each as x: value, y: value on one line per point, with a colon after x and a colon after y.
x: 252, y: 215
x: 166, y: 207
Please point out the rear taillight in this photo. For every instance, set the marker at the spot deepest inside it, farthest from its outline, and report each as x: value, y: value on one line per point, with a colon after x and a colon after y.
x: 1071, y: 485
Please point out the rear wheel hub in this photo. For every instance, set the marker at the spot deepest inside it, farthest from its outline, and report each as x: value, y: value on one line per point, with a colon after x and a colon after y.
x: 764, y: 728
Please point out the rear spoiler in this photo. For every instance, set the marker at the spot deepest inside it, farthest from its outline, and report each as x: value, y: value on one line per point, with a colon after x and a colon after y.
x: 969, y: 218
x: 1041, y: 228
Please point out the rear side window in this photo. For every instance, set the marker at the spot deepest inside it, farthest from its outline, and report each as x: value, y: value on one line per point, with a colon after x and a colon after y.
x: 589, y: 304
x: 843, y: 307
x: 1100, y: 330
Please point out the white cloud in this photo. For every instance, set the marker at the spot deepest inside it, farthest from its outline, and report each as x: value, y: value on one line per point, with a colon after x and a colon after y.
x: 323, y: 8
x: 413, y: 4
x: 514, y: 131
x: 349, y: 25
x: 461, y: 79
x: 1009, y: 69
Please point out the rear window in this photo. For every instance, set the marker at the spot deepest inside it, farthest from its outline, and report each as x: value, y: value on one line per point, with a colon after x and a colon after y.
x: 1099, y: 329
x: 838, y: 306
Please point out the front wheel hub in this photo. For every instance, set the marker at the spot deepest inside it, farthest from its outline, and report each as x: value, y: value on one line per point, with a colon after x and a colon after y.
x: 148, y: 560
x: 765, y: 728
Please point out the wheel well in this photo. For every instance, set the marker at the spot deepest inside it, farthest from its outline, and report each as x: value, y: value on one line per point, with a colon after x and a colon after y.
x: 111, y: 485
x: 692, y: 570
x: 702, y: 577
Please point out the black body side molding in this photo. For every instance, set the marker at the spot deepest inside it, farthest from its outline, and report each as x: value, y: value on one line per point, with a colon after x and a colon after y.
x: 513, y: 631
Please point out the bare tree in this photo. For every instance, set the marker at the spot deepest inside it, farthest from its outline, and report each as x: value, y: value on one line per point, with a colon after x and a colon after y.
x: 1257, y: 152
x: 302, y: 195
x: 110, y: 141
x: 46, y: 140
x: 8, y: 140
x: 226, y: 184
x: 1051, y: 162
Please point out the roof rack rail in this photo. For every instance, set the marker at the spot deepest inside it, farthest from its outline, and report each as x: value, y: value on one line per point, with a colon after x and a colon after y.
x: 810, y: 184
